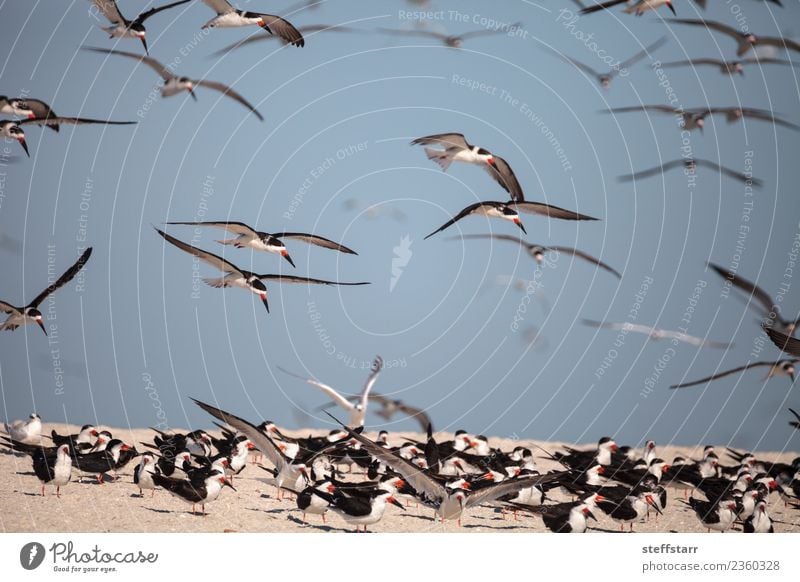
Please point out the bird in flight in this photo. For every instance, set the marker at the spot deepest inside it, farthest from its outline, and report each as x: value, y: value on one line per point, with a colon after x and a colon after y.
x: 230, y: 17
x: 248, y: 237
x: 452, y: 40
x: 538, y: 251
x: 730, y: 67
x: 236, y: 277
x: 30, y: 313
x: 656, y: 334
x: 174, y: 84
x: 745, y: 40
x: 12, y: 129
x: 605, y: 78
x: 779, y: 368
x: 690, y: 167
x: 121, y: 27
x: 764, y: 304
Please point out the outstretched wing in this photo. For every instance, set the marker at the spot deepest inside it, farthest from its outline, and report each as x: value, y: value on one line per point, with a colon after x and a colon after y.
x: 723, y: 374
x: 261, y: 441
x: 73, y: 121
x: 313, y: 239
x: 785, y: 343
x: 148, y: 13
x: 549, y: 210
x: 228, y: 92
x: 330, y: 392
x: 234, y: 227
x: 748, y: 287
x: 465, y: 212
x: 306, y: 280
x: 282, y: 28
x: 448, y: 140
x: 149, y: 61
x: 641, y: 54
x: 63, y: 279
x: 210, y: 258
x: 411, y: 473
x: 109, y: 9
x: 586, y: 257
x: 377, y: 366
x: 504, y: 175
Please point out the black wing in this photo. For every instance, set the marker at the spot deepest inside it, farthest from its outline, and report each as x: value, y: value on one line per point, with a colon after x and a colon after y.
x: 757, y: 292
x: 723, y: 374
x: 786, y: 343
x: 147, y: 14
x: 63, y: 279
x: 466, y: 212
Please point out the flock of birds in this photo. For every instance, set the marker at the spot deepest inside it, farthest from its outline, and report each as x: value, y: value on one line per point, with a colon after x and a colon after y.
x: 449, y: 477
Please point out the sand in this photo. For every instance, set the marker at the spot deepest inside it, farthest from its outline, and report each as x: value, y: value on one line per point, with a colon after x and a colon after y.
x: 116, y: 507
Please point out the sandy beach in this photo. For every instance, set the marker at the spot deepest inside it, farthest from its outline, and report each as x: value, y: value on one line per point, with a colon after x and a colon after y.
x: 116, y: 506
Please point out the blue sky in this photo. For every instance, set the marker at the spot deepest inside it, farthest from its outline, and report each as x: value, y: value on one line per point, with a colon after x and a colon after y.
x: 332, y: 157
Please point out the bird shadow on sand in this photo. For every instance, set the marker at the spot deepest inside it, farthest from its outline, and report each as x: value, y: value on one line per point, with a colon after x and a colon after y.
x: 25, y: 473
x: 321, y: 527
x: 488, y: 526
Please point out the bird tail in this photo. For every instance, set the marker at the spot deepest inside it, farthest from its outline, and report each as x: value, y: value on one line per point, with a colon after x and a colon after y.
x: 440, y: 157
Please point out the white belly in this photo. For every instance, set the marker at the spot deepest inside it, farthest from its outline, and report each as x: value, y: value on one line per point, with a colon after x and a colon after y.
x: 230, y: 20
x: 62, y: 473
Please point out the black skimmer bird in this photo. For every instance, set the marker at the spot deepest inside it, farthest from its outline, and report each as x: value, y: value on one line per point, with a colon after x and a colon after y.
x: 605, y: 78
x: 788, y: 344
x: 730, y: 67
x: 25, y: 431
x: 655, y: 333
x: 286, y: 470
x: 690, y: 167
x: 121, y: 27
x: 690, y: 118
x: 53, y: 468
x: 457, y: 149
x: 30, y: 313
x: 197, y: 442
x: 143, y: 474
x: 449, y: 503
x: 358, y: 409
x: 236, y: 277
x: 581, y: 460
x: 766, y: 307
x: 257, y: 240
x: 745, y: 40
x: 115, y: 455
x: 230, y: 17
x: 12, y: 129
x: 452, y: 40
x: 718, y: 515
x: 538, y: 252
x: 631, y: 508
x: 308, y: 500
x: 638, y: 8
x: 83, y: 440
x: 490, y: 209
x: 779, y: 368
x: 569, y: 517
x: 364, y: 509
x: 27, y: 108
x: 310, y: 30
x: 759, y: 521
x: 202, y: 489
x: 174, y: 84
